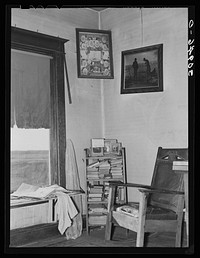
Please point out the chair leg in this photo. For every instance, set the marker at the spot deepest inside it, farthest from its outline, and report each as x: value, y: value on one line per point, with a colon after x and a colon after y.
x: 140, y: 239
x: 178, y: 234
x: 109, y: 223
x: 108, y: 227
x: 178, y: 240
x: 142, y: 216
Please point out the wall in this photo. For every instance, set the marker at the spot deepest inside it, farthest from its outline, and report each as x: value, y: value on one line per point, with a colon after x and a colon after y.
x: 145, y: 121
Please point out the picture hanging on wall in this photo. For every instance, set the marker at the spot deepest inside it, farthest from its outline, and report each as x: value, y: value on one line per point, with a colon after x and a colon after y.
x: 94, y: 54
x: 142, y: 70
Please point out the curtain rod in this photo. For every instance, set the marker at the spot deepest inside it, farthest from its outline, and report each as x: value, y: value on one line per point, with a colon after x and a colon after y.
x: 31, y: 47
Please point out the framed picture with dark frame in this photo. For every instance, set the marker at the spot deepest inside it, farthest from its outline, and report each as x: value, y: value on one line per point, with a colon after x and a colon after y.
x: 142, y: 70
x: 94, y: 54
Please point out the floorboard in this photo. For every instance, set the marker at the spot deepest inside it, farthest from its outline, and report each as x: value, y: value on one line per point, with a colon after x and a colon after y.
x: 52, y: 238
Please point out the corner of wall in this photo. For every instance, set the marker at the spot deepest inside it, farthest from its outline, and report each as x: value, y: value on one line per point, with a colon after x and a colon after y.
x: 102, y: 89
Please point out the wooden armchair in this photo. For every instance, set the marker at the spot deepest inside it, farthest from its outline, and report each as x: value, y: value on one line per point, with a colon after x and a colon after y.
x: 161, y: 205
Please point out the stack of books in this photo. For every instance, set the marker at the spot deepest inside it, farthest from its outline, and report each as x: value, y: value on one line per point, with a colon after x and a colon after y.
x: 181, y: 165
x: 99, y: 170
x: 97, y: 209
x: 106, y: 190
x: 116, y: 168
x: 95, y: 193
x: 97, y: 220
x: 104, y: 169
x: 92, y: 173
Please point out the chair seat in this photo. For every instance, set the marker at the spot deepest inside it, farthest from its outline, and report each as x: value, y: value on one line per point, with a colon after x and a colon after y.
x: 153, y: 212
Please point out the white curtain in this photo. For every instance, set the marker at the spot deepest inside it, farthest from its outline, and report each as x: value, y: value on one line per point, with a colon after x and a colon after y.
x: 30, y: 91
x: 73, y: 183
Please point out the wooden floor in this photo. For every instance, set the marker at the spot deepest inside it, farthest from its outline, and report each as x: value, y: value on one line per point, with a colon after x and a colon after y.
x: 52, y: 238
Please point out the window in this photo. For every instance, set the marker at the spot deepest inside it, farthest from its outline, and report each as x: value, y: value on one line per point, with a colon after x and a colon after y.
x: 41, y: 45
x: 30, y: 107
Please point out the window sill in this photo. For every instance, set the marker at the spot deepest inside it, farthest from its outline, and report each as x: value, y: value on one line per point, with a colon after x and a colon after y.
x: 18, y: 203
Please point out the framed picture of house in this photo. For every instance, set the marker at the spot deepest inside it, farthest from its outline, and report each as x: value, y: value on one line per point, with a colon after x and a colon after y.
x: 142, y: 70
x: 94, y: 54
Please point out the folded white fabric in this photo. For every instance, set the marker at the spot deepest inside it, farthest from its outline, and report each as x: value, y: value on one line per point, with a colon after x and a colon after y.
x: 66, y: 211
x: 128, y: 210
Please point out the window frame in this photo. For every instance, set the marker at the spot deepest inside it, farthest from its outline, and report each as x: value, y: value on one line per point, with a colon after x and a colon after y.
x: 39, y: 43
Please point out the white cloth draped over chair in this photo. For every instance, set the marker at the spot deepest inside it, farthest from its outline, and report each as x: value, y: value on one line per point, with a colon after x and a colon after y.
x: 73, y: 183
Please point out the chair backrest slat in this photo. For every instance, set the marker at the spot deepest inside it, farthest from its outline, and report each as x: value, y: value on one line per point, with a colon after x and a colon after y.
x: 165, y: 177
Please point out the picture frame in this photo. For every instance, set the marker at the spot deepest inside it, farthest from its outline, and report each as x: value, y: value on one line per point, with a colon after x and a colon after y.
x: 142, y: 70
x: 97, y: 146
x: 108, y: 145
x: 116, y: 148
x: 94, y: 54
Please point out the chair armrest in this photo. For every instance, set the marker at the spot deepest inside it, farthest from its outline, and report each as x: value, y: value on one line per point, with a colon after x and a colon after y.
x: 144, y: 188
x: 119, y: 183
x: 155, y: 190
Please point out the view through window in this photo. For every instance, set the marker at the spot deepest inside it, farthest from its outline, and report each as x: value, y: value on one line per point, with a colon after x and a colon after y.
x: 29, y: 157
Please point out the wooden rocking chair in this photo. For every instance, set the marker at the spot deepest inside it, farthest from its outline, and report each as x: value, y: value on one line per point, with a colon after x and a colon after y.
x: 161, y: 205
